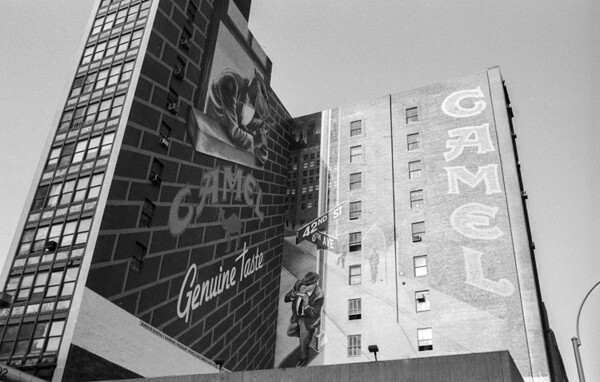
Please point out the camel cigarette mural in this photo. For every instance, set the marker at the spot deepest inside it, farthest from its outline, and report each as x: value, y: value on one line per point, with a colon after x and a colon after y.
x: 232, y: 123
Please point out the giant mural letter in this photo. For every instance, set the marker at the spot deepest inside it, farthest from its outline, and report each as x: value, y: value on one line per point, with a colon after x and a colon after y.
x: 475, y: 277
x: 488, y: 174
x: 452, y: 104
x: 469, y: 136
x: 468, y: 220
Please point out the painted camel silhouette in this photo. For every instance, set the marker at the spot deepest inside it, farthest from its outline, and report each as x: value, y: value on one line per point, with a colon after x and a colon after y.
x: 232, y: 225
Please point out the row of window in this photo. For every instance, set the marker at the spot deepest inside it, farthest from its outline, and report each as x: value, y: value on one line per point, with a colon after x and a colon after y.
x: 82, y: 150
x: 96, y: 81
x: 63, y: 234
x: 32, y: 338
x: 71, y: 191
x: 44, y: 284
x: 419, y: 269
x: 422, y: 304
x: 356, y: 127
x: 107, y: 21
x: 424, y: 342
x: 50, y: 253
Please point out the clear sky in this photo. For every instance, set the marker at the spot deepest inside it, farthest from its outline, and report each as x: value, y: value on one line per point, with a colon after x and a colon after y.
x: 329, y: 53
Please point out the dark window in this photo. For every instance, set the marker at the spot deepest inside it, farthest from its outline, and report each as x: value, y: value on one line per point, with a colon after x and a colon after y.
x: 355, y: 128
x: 425, y: 339
x: 413, y: 142
x: 354, y: 275
x: 414, y: 169
x: 354, y: 309
x: 416, y: 199
x: 355, y: 210
x: 355, y: 181
x: 412, y: 115
x: 147, y: 214
x: 156, y: 171
x: 355, y: 241
x: 354, y: 344
x: 40, y: 197
x: 422, y: 301
x: 137, y: 257
x: 356, y: 154
x: 418, y: 231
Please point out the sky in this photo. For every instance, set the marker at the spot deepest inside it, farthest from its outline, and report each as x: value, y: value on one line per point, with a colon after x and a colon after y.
x: 329, y: 53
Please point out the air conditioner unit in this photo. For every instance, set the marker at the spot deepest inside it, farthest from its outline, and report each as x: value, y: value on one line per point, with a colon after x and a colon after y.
x: 77, y: 125
x: 184, y: 42
x: 416, y: 238
x: 155, y: 178
x: 524, y: 194
x: 420, y: 298
x: 172, y: 107
x: 164, y: 142
x: 179, y: 71
x: 51, y: 245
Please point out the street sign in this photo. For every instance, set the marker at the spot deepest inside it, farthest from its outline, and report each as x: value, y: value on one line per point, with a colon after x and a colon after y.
x: 319, y: 223
x: 324, y: 241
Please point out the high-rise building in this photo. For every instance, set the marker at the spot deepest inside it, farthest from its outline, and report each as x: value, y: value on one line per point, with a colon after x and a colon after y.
x: 432, y: 253
x: 151, y: 241
x: 304, y: 168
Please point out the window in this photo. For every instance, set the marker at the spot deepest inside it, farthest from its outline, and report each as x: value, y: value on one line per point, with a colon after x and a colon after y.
x: 420, y: 264
x: 413, y: 142
x: 355, y: 241
x: 416, y: 199
x: 354, y: 275
x: 68, y: 285
x: 54, y: 155
x: 414, y: 169
x: 356, y: 181
x: 412, y: 115
x: 40, y: 197
x: 117, y: 106
x: 147, y: 214
x: 422, y: 300
x: 67, y: 192
x: 95, y: 184
x: 355, y: 128
x: 354, y: 309
x: 355, y: 210
x: 418, y: 231
x: 54, y: 336
x: 354, y: 345
x: 54, y: 283
x: 425, y: 339
x: 156, y: 171
x: 355, y: 154
x: 83, y: 231
x: 137, y: 257
x: 165, y: 131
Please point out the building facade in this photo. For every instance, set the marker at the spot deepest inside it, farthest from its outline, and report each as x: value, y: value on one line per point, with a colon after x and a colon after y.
x: 304, y: 168
x: 433, y: 254
x: 151, y: 242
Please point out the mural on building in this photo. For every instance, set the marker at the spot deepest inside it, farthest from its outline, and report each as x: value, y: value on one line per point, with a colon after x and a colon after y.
x: 233, y: 123
x: 419, y: 256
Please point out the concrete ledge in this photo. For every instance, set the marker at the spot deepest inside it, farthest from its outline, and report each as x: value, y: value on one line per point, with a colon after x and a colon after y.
x: 477, y: 367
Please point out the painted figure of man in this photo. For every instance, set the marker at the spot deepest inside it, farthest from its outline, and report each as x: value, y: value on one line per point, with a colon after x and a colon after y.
x: 374, y: 262
x: 307, y: 300
x: 241, y: 107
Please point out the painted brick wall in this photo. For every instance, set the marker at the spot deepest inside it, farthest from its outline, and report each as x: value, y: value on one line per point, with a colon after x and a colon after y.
x: 238, y: 326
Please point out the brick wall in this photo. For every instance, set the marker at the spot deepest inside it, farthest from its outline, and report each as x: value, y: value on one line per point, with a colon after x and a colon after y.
x: 238, y: 325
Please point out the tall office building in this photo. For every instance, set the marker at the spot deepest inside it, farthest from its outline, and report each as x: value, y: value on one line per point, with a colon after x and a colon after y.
x: 151, y: 241
x: 432, y: 253
x: 304, y: 166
